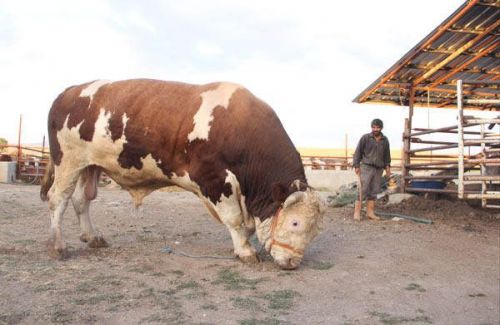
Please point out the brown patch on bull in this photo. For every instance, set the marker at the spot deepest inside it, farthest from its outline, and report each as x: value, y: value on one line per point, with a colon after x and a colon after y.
x: 279, y: 192
x: 116, y: 126
x: 132, y: 156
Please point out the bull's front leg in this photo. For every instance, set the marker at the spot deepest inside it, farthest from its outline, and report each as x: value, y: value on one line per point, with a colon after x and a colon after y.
x: 232, y: 216
x: 240, y: 235
x: 231, y: 211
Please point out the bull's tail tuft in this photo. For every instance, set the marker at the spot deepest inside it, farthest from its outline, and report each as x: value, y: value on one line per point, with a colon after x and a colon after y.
x: 47, y: 181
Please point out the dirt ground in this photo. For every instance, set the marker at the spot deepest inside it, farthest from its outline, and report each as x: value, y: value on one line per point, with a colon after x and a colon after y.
x: 387, y: 272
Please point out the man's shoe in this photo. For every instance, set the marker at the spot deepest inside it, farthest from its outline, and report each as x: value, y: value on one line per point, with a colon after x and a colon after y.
x: 370, y: 207
x: 357, y: 210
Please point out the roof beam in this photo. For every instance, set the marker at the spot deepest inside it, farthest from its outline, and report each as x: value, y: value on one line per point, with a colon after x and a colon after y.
x: 461, y: 67
x: 465, y: 69
x: 445, y: 103
x: 419, y: 104
x: 424, y: 44
x: 493, y: 56
x: 459, y: 51
x: 467, y: 31
x: 495, y: 78
x: 490, y: 4
x: 442, y: 90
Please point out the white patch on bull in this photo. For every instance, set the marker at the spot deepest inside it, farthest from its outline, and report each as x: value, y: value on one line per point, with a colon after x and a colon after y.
x: 92, y: 89
x: 102, y: 123
x: 202, y: 120
x: 228, y: 208
x: 101, y: 150
x: 104, y: 152
x: 125, y: 119
x: 186, y: 183
x: 232, y: 212
x: 263, y: 231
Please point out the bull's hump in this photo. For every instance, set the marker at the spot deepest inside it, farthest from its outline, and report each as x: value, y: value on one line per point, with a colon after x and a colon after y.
x: 91, y: 89
x: 202, y: 120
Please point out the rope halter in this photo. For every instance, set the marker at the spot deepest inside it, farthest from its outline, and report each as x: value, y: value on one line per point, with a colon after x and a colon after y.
x: 274, y: 223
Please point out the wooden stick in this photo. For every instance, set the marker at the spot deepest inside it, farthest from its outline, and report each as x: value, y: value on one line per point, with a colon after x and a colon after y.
x: 434, y: 148
x: 460, y: 141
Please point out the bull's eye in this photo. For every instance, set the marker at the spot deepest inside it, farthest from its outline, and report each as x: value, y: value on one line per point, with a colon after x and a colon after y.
x: 295, y: 223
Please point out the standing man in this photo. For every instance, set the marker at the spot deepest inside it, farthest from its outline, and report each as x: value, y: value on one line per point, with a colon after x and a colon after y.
x: 371, y: 157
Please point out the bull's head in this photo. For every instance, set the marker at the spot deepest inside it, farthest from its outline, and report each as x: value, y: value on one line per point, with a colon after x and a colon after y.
x: 290, y: 230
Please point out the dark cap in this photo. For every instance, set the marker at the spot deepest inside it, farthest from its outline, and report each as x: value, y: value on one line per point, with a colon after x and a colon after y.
x: 377, y: 122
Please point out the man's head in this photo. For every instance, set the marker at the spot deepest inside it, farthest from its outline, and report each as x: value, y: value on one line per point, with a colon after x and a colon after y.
x: 377, y: 126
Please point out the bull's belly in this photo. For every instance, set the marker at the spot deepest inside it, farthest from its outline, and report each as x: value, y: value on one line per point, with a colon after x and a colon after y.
x: 150, y: 176
x: 133, y: 177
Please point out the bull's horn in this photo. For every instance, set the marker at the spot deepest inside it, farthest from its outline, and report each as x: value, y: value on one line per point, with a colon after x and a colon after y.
x: 294, y: 198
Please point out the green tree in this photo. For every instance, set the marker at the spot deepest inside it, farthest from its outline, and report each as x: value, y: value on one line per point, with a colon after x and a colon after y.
x: 3, y: 142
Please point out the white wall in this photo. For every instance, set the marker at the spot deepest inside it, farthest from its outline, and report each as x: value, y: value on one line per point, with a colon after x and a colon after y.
x: 329, y: 180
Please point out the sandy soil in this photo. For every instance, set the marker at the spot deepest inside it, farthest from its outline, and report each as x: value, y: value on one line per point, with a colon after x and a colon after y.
x: 388, y: 272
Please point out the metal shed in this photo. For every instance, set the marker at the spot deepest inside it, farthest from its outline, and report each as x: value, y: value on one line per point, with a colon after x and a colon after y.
x: 456, y: 66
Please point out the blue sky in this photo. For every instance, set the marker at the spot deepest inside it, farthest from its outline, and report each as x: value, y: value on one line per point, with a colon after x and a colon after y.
x: 307, y: 59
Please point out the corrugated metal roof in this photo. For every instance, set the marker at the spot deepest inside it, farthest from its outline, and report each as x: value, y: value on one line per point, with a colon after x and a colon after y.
x: 465, y: 46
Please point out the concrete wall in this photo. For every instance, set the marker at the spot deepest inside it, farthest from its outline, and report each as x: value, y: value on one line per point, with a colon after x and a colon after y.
x: 7, y: 171
x: 329, y: 180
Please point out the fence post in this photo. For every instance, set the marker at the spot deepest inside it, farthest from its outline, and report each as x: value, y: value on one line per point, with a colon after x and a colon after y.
x: 19, y: 154
x: 460, y: 125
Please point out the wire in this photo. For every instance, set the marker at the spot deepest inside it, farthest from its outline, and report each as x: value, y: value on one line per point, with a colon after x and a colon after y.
x: 170, y: 250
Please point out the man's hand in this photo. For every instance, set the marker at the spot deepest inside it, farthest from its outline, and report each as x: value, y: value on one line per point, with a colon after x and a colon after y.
x: 388, y: 172
x: 357, y: 170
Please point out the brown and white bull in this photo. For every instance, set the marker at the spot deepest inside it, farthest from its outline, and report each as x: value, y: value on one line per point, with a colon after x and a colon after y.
x: 218, y: 141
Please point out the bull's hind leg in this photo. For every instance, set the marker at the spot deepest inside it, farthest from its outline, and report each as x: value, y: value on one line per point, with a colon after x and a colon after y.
x: 64, y: 185
x: 85, y: 191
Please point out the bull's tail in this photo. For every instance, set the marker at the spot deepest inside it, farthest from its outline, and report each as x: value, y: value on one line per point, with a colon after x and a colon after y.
x: 47, y: 181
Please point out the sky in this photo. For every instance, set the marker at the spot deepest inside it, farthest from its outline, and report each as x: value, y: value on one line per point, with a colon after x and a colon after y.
x: 307, y: 59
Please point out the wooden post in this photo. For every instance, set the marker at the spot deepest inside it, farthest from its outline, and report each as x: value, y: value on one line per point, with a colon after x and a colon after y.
x: 411, y: 102
x: 483, y: 168
x: 43, y: 146
x: 405, y: 155
x: 346, y: 159
x: 460, y: 124
x: 19, y: 145
x: 405, y: 159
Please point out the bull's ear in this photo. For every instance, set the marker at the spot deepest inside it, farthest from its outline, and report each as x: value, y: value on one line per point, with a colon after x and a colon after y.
x: 279, y: 192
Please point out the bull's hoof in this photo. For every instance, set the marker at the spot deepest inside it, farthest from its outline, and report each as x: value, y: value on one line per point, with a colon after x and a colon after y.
x: 57, y: 253
x: 97, y: 242
x: 250, y: 259
x: 84, y: 238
